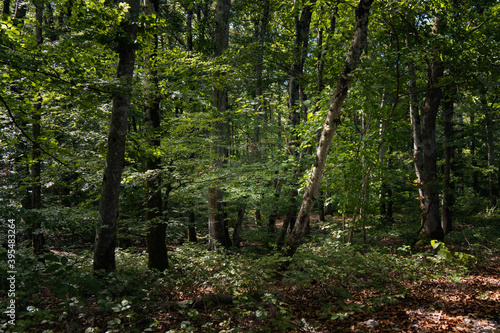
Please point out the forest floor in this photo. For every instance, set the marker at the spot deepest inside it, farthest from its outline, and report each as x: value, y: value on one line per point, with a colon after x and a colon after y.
x: 328, y: 288
x: 467, y: 304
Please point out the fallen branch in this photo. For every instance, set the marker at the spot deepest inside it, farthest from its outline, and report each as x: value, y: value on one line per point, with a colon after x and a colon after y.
x: 211, y: 300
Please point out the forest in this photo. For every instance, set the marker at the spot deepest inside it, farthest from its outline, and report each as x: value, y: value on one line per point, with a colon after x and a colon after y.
x: 250, y: 166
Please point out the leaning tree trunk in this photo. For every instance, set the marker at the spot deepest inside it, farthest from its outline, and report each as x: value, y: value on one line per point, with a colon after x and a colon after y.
x: 331, y: 123
x: 431, y: 218
x: 105, y: 241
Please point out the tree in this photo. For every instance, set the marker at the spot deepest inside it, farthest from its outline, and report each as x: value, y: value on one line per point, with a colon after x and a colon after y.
x: 157, y: 250
x: 431, y: 218
x: 105, y: 241
x: 38, y: 240
x: 217, y: 224
x: 449, y: 152
x: 331, y: 123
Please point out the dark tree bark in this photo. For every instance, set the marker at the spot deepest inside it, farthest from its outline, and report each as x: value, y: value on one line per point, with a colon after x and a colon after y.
x: 6, y: 8
x: 490, y: 140
x: 157, y: 250
x: 189, y: 28
x: 37, y: 238
x: 431, y: 217
x: 191, y: 228
x: 449, y: 151
x: 296, y: 94
x: 321, y: 206
x: 239, y: 225
x: 105, y: 242
x: 260, y: 35
x: 331, y: 123
x: 21, y: 9
x: 322, y: 49
x: 217, y: 225
x: 302, y: 27
x: 472, y: 145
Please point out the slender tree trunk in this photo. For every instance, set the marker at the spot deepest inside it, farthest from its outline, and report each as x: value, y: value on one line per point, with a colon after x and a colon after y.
x: 418, y: 158
x: 475, y: 175
x: 238, y: 226
x: 323, y: 48
x: 449, y: 151
x: 191, y: 228
x: 321, y: 206
x: 6, y: 8
x: 189, y: 28
x: 260, y: 34
x: 217, y: 225
x: 37, y: 239
x: 157, y: 250
x: 105, y: 242
x: 21, y: 9
x: 330, y: 126
x: 271, y: 226
x: 296, y: 94
x: 488, y: 119
x: 432, y: 222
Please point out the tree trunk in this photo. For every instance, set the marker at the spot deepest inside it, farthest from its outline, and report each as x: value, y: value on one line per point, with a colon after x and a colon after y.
x: 37, y: 239
x: 488, y: 119
x: 260, y: 34
x: 21, y: 9
x: 217, y: 226
x: 472, y: 145
x: 6, y: 8
x: 238, y: 227
x: 302, y: 26
x: 157, y: 250
x: 321, y: 206
x: 191, y: 228
x: 296, y: 94
x: 418, y: 158
x: 322, y: 49
x: 449, y: 149
x: 105, y: 241
x: 330, y: 126
x: 432, y: 222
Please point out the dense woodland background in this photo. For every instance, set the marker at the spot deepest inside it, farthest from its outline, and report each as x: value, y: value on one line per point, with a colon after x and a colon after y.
x: 155, y: 152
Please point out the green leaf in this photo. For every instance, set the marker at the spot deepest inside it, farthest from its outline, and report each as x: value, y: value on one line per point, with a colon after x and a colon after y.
x: 60, y: 290
x: 435, y: 244
x: 52, y: 268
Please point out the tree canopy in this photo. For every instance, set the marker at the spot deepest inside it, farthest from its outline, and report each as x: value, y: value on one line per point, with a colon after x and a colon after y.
x: 146, y: 126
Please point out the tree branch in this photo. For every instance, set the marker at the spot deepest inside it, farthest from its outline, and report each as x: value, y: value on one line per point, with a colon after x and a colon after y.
x: 23, y: 132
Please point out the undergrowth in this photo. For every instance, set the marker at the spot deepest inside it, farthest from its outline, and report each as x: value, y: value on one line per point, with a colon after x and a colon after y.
x: 60, y: 289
